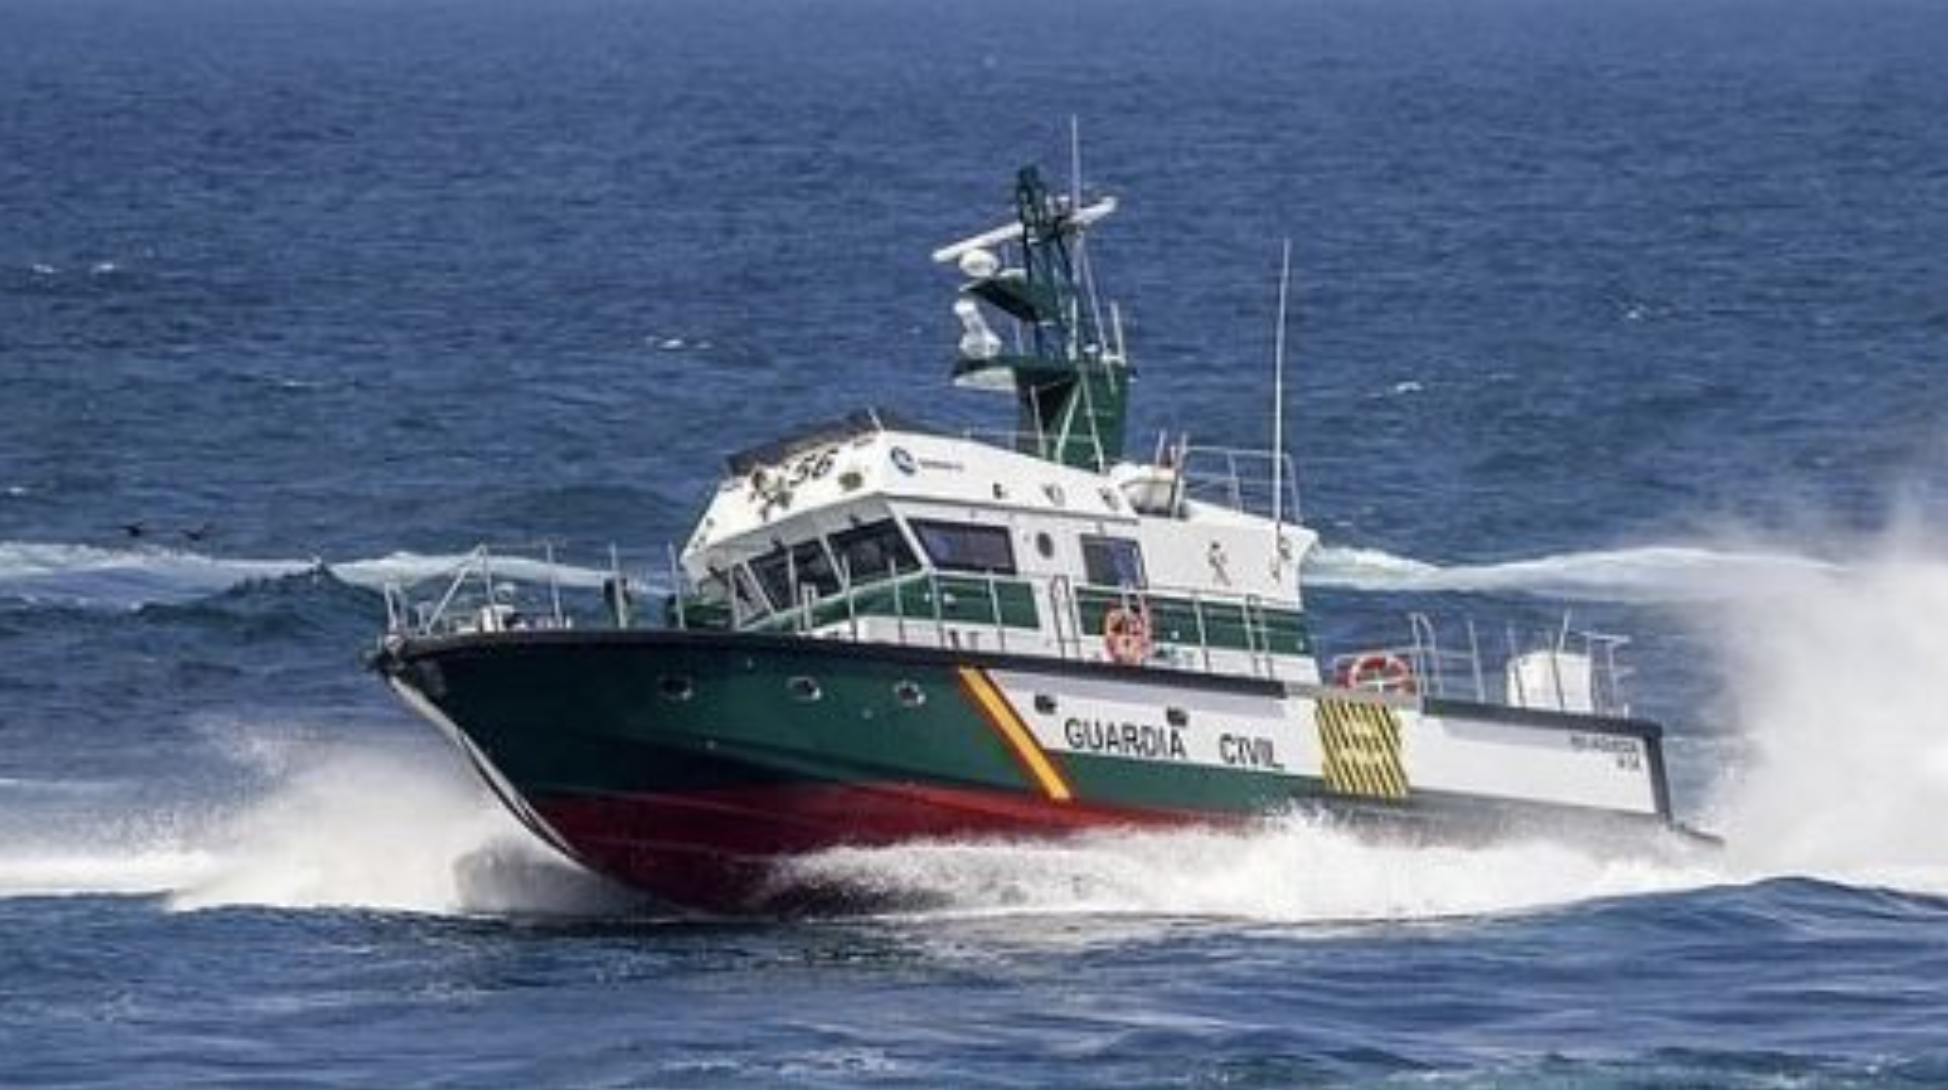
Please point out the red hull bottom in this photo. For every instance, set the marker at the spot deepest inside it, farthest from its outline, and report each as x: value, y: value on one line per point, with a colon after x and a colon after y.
x: 721, y: 849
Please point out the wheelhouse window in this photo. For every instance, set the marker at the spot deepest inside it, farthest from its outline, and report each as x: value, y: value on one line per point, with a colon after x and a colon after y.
x: 750, y: 601
x: 1113, y: 562
x: 786, y: 574
x: 959, y: 546
x: 873, y: 551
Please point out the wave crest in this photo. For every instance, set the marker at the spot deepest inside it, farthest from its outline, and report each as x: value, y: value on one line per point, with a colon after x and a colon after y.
x: 95, y: 577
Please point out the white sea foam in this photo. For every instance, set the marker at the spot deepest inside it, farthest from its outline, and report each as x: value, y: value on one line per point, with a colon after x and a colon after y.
x: 67, y: 872
x: 1292, y: 869
x: 1652, y: 573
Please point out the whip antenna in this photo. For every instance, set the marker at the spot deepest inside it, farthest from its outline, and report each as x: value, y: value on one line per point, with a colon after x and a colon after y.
x: 1278, y: 393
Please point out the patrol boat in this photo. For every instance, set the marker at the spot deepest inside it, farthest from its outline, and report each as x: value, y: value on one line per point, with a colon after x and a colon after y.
x: 879, y: 632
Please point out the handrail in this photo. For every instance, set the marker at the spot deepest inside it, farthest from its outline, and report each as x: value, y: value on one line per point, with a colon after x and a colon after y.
x: 1439, y: 672
x: 932, y: 578
x: 482, y: 590
x: 471, y: 597
x: 1245, y: 480
x: 994, y: 607
x: 939, y: 620
x: 1242, y: 481
x: 1203, y: 629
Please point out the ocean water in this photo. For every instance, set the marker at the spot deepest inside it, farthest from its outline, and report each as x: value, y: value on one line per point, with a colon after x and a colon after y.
x: 1637, y: 306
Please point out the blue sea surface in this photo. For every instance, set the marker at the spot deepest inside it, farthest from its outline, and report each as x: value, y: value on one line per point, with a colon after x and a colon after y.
x: 1637, y: 305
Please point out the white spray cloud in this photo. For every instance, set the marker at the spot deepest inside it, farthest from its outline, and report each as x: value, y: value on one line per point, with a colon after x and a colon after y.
x: 1840, y: 684
x: 308, y: 824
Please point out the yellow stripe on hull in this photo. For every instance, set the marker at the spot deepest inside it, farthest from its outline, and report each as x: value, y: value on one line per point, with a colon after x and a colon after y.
x: 1007, y: 723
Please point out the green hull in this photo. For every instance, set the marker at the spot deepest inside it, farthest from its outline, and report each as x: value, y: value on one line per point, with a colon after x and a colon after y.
x: 687, y: 763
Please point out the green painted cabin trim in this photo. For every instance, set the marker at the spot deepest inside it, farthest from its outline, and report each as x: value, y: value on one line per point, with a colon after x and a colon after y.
x: 1228, y: 626
x: 1178, y: 620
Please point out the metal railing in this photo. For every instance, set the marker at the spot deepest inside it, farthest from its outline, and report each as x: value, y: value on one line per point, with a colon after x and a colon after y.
x: 941, y: 608
x: 1241, y: 479
x: 521, y: 586
x: 499, y: 588
x: 1237, y: 478
x: 1564, y: 669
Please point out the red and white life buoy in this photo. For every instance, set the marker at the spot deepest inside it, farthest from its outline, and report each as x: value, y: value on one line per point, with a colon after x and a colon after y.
x: 1126, y: 634
x: 1379, y: 672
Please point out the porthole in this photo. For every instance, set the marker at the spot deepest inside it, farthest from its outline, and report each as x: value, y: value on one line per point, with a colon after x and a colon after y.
x: 909, y: 694
x: 804, y: 689
x: 675, y: 688
x: 1176, y: 717
x: 1045, y: 545
x: 1044, y: 703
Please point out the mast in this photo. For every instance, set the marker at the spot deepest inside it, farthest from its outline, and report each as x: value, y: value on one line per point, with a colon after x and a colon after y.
x: 1070, y: 380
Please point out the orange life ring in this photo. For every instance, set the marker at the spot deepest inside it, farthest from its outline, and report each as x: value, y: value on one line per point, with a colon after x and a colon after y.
x: 1379, y: 672
x: 1126, y: 634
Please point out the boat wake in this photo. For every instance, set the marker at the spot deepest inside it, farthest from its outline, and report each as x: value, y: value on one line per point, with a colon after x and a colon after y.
x: 1647, y: 574
x: 95, y: 577
x: 1830, y: 682
x: 1287, y: 870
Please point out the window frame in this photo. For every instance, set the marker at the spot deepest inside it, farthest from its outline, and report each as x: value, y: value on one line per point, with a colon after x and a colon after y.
x: 1092, y: 542
x: 882, y: 531
x: 1003, y: 534
x: 776, y: 569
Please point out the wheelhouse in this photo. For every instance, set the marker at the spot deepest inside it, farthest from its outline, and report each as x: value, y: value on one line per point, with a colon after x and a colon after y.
x: 880, y: 533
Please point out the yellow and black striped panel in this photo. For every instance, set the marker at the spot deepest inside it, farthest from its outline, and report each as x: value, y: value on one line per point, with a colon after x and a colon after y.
x: 1361, y: 743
